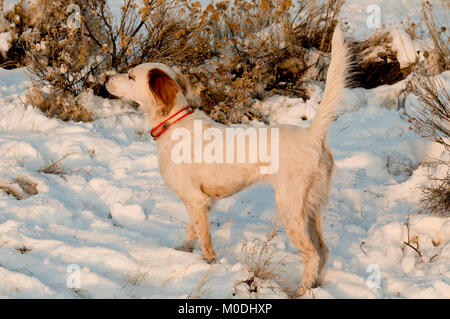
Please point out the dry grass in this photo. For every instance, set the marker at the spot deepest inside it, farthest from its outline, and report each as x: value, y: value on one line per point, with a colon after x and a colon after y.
x: 439, y: 35
x: 431, y: 115
x: 400, y: 168
x: 436, y: 193
x: 150, y: 277
x: 430, y: 118
x: 23, y: 250
x: 414, y: 240
x: 137, y: 277
x: 12, y: 190
x: 413, y: 243
x: 200, y: 291
x: 258, y: 257
x: 436, y: 58
x: 20, y: 188
x: 56, y: 167
x: 63, y: 107
x: 28, y: 186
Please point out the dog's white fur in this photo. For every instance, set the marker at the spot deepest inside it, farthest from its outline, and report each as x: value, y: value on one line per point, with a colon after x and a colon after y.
x: 301, y: 184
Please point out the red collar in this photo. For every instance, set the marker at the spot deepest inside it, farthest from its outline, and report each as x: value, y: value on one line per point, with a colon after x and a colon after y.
x: 157, y: 131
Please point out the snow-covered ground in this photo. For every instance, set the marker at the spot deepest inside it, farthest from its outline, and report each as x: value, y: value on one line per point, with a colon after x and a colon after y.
x: 111, y: 216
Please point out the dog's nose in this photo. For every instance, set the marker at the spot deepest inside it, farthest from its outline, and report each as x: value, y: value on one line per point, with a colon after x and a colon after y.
x: 107, y: 78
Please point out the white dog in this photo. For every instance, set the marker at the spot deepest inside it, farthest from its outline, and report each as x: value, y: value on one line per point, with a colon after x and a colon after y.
x: 301, y: 184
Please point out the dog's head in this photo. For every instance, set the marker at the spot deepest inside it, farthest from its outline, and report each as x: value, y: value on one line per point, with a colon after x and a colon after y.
x: 155, y: 86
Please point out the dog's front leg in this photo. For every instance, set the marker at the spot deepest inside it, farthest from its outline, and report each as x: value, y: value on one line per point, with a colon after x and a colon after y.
x: 198, y: 213
x: 189, y: 242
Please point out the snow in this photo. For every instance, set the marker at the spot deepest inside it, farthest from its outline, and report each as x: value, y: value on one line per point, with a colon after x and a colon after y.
x: 127, y: 215
x: 5, y: 42
x: 404, y: 46
x: 112, y: 215
x: 110, y: 220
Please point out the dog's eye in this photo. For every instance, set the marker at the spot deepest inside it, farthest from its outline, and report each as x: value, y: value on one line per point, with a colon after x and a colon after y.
x: 131, y: 77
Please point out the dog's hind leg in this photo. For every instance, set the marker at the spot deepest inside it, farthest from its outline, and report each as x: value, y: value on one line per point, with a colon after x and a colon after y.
x: 189, y: 241
x: 315, y: 232
x: 198, y: 214
x: 289, y: 206
x: 312, y: 212
x: 317, y: 197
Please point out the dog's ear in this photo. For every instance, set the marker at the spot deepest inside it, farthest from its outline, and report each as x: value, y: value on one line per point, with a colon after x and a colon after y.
x: 164, y: 88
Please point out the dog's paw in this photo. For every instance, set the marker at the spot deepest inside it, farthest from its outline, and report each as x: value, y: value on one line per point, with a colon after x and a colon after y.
x: 210, y: 260
x: 187, y: 247
x: 317, y: 282
x: 301, y: 291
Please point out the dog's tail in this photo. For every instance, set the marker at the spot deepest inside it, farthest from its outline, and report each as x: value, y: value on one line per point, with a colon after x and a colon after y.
x: 337, y: 76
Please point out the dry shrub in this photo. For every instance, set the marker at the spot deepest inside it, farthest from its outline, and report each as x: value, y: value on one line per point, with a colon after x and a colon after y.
x: 15, y: 21
x: 59, y: 56
x: 252, y: 49
x: 262, y: 47
x: 234, y: 52
x: 148, y: 30
x: 437, y: 58
x: 380, y: 66
x: 430, y: 118
x: 440, y: 38
x: 72, y: 58
x: 377, y: 63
